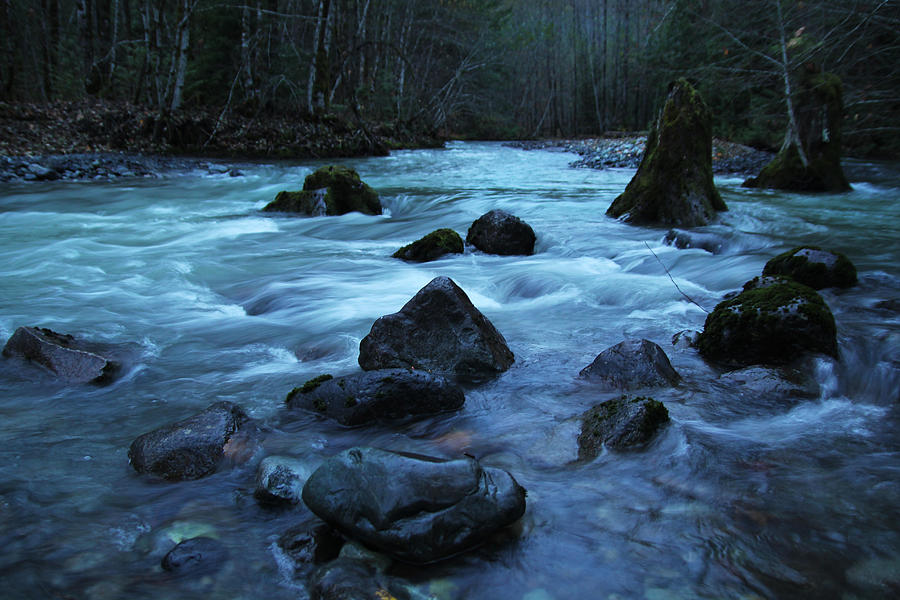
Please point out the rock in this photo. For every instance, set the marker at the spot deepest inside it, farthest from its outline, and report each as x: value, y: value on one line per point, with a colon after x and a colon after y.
x: 438, y: 330
x: 42, y: 173
x: 770, y: 382
x: 381, y: 394
x: 414, y: 508
x: 685, y: 339
x: 431, y: 247
x: 311, y: 546
x: 704, y: 241
x: 674, y: 182
x: 819, y: 110
x: 619, y: 424
x: 631, y: 364
x: 70, y: 360
x: 333, y: 190
x: 196, y: 556
x: 280, y: 479
x: 812, y: 266
x: 349, y: 579
x: 499, y: 232
x: 194, y: 447
x: 773, y: 321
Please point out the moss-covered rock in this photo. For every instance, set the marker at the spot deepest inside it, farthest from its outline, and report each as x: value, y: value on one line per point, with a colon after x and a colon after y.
x: 812, y: 266
x: 674, y: 182
x: 819, y: 112
x: 332, y: 190
x: 773, y: 321
x: 431, y: 247
x: 620, y: 423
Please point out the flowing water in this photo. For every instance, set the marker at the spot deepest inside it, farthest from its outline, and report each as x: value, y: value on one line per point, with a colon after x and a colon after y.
x: 740, y: 496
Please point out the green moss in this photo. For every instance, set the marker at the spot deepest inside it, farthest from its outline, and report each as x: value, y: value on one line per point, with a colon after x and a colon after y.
x: 816, y: 275
x: 350, y: 402
x: 320, y: 404
x: 308, y: 386
x: 432, y: 246
x: 620, y: 423
x: 770, y: 323
x: 344, y: 192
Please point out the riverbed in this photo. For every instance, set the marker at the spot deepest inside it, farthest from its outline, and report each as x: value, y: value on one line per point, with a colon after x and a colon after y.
x: 740, y: 496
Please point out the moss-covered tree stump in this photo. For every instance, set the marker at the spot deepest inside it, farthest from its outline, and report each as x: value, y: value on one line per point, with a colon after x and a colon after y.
x: 431, y: 247
x: 674, y: 182
x: 773, y: 321
x: 812, y: 266
x: 332, y: 190
x: 819, y: 112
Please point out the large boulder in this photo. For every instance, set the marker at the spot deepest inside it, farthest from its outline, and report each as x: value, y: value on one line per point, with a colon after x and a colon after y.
x: 431, y: 247
x: 674, y: 182
x: 414, y: 508
x: 773, y: 321
x: 632, y: 364
x: 812, y: 266
x: 619, y: 424
x: 70, y: 360
x: 333, y: 190
x: 499, y: 232
x: 194, y: 447
x: 382, y: 394
x: 819, y: 110
x: 438, y: 330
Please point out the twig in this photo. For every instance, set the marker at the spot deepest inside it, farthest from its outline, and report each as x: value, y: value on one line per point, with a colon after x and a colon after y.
x: 673, y: 280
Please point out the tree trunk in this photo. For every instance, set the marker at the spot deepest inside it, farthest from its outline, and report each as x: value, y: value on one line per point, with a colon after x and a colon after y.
x: 316, y: 93
x: 179, y: 62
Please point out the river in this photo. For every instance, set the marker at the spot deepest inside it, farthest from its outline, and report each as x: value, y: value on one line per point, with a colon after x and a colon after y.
x: 739, y: 497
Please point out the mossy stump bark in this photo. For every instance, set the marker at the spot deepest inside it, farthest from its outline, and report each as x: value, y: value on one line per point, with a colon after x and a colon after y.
x: 819, y: 112
x: 674, y: 182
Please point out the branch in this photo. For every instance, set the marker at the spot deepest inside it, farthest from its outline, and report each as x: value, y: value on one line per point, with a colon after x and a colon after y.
x: 673, y: 280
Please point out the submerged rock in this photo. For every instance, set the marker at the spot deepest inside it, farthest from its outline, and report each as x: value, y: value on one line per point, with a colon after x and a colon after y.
x: 771, y: 382
x: 632, y: 364
x: 351, y: 579
x: 499, y: 232
x: 381, y: 394
x: 619, y: 424
x: 690, y: 239
x: 307, y: 546
x: 194, y: 447
x: 674, y: 182
x: 280, y: 479
x: 68, y: 359
x: 812, y: 266
x: 438, y: 330
x: 773, y: 321
x: 431, y: 247
x: 415, y: 508
x: 333, y: 190
x: 819, y: 111
x: 196, y: 556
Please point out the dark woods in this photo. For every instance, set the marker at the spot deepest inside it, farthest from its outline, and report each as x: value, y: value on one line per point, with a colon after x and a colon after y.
x: 468, y: 68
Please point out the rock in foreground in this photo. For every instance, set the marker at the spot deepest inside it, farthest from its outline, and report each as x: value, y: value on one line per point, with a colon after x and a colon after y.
x: 194, y: 447
x: 417, y: 509
x: 619, y: 424
x: 438, y: 330
x: 499, y: 232
x: 67, y: 358
x: 773, y: 321
x: 333, y: 190
x: 431, y: 247
x: 632, y: 364
x: 674, y: 182
x: 382, y: 394
x: 812, y: 266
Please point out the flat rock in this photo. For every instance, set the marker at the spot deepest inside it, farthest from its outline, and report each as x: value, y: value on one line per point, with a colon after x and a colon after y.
x: 813, y: 266
x: 631, y: 364
x: 438, y: 330
x: 382, y: 394
x: 194, y: 447
x: 68, y: 359
x: 196, y: 556
x: 778, y: 383
x: 417, y: 509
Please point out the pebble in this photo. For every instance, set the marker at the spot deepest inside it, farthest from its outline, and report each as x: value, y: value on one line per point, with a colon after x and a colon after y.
x: 103, y: 167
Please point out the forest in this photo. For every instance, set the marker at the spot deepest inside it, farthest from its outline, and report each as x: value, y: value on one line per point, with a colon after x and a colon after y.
x: 474, y: 69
